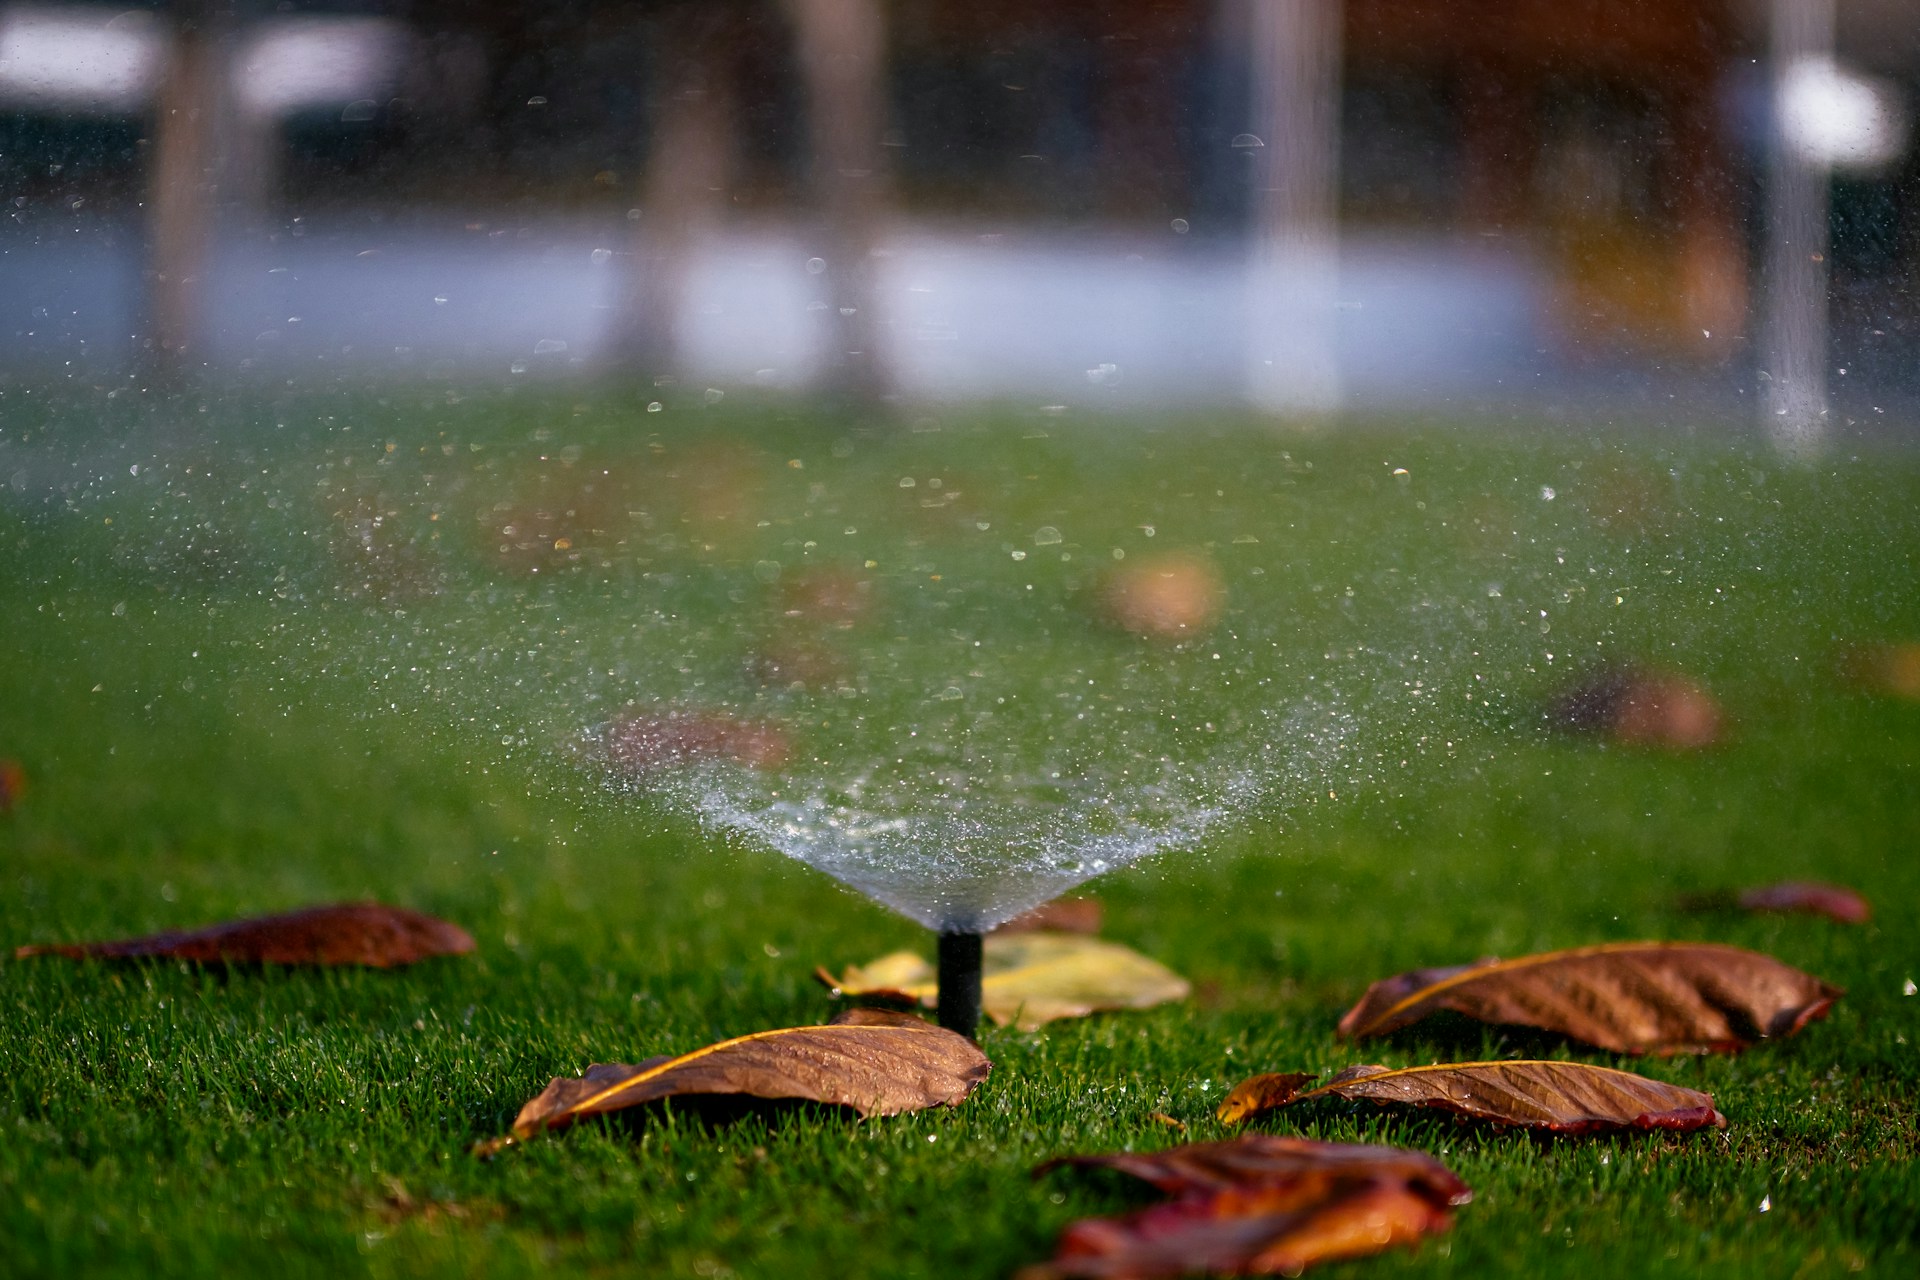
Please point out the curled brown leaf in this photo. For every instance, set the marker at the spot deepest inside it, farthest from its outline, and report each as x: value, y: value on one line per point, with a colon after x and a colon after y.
x: 877, y: 1063
x: 1630, y: 997
x: 1560, y: 1097
x: 1259, y: 1159
x: 1259, y: 1205
x: 355, y: 933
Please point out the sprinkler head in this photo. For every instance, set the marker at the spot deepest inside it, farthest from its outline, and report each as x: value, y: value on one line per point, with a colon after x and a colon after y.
x: 960, y: 982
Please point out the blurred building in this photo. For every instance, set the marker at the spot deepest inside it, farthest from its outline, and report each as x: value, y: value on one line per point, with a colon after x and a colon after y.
x: 1548, y: 195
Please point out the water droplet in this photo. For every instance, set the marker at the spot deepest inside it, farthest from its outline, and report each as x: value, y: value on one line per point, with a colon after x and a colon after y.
x: 1546, y: 493
x: 1179, y: 226
x: 439, y: 299
x: 1909, y: 988
x: 1045, y: 536
x: 1019, y: 555
x: 906, y: 482
x: 816, y: 265
x: 655, y: 407
x: 1247, y: 140
x: 548, y: 346
x: 713, y: 395
x: 600, y: 255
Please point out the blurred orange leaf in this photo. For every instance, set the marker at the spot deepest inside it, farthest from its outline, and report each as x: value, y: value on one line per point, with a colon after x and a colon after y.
x: 1258, y: 1205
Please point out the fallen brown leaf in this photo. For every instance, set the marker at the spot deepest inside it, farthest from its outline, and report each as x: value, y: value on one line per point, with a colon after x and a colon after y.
x: 354, y: 933
x: 877, y: 1063
x: 640, y: 741
x: 1062, y: 915
x: 1561, y: 1097
x: 1630, y: 997
x: 1641, y: 708
x: 1030, y: 979
x: 1829, y: 900
x: 1259, y: 1205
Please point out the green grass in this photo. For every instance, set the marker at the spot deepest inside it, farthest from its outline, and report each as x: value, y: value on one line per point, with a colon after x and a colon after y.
x: 234, y: 699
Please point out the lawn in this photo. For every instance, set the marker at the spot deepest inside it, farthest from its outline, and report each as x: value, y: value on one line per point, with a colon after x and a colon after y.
x: 265, y: 653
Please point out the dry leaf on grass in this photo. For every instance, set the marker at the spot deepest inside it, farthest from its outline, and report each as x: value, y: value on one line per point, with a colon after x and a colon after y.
x: 1561, y: 1097
x: 877, y: 1063
x: 1829, y: 900
x: 1630, y: 997
x: 1259, y: 1205
x: 354, y: 933
x: 1030, y: 979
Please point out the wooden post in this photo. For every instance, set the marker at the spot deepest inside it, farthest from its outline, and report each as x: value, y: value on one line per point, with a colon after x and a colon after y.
x: 841, y: 47
x: 1793, y: 368
x: 1294, y: 47
x: 684, y: 192
x: 183, y: 185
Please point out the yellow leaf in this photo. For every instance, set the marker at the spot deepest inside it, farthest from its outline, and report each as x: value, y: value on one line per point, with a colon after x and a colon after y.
x: 1030, y: 979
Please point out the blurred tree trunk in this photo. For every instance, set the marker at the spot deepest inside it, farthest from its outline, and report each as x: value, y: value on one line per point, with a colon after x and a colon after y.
x: 1294, y: 52
x: 1793, y: 369
x: 183, y: 185
x: 841, y: 47
x: 684, y: 191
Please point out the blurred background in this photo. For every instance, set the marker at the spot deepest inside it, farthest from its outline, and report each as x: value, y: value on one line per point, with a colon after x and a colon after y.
x: 1661, y: 208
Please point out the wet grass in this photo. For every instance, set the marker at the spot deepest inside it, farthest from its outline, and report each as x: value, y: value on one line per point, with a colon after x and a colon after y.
x: 196, y: 694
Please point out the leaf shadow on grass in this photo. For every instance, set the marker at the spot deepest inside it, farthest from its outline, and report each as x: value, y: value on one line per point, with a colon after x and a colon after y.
x: 1447, y: 1036
x: 1093, y: 1191
x: 698, y: 1115
x: 1437, y: 1132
